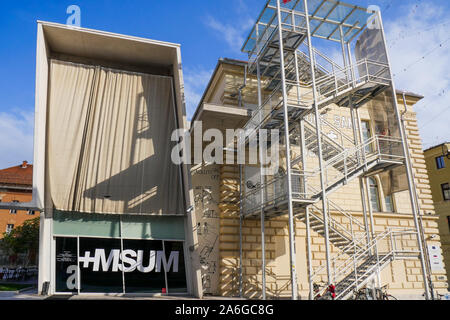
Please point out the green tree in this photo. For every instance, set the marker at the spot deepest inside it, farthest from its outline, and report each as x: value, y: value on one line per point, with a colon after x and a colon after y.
x: 23, y: 239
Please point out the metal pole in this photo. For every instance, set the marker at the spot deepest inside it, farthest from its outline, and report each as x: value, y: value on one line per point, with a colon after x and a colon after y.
x: 361, y: 181
x: 305, y: 188
x: 364, y: 207
x: 240, y: 231
x: 361, y: 139
x: 350, y: 63
x: 319, y: 142
x: 343, y: 51
x: 261, y: 180
x: 427, y: 254
x: 408, y: 168
x: 352, y: 109
x: 372, y: 233
x: 121, y: 252
x: 418, y: 208
x: 288, y: 161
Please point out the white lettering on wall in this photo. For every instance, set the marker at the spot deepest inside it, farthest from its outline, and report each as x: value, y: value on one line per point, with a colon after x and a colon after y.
x: 130, y: 261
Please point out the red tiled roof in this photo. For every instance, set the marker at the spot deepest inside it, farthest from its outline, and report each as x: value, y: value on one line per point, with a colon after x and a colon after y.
x: 18, y: 175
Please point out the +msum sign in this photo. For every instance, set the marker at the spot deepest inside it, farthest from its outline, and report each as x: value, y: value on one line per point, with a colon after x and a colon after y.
x: 122, y: 266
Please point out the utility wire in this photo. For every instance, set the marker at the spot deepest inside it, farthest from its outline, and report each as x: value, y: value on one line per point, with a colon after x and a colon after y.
x: 441, y: 45
x: 405, y: 36
x: 435, y: 117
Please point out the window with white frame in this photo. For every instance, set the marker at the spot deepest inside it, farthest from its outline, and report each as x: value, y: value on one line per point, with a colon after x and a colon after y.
x: 374, y: 195
x: 389, y: 201
x: 446, y: 191
x: 9, y: 228
x: 13, y: 211
x: 366, y: 133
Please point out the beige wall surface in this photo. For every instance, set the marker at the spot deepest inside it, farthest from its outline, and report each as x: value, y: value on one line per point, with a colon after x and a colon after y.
x: 442, y: 208
x: 205, y: 183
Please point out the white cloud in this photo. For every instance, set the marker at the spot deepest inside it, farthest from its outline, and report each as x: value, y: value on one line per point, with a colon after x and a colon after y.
x: 421, y: 65
x: 195, y: 82
x: 233, y: 34
x: 16, y: 138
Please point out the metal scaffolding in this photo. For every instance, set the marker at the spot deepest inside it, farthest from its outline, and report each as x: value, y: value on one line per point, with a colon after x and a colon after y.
x: 296, y: 82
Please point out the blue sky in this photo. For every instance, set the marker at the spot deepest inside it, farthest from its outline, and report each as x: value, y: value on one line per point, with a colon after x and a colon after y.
x: 208, y: 30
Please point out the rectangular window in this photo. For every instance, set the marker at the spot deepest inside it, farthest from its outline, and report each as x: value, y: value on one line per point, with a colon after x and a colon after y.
x: 106, y: 278
x: 115, y: 266
x: 66, y: 265
x: 440, y: 162
x: 389, y: 203
x: 374, y: 195
x: 14, y: 211
x: 367, y: 134
x: 446, y: 191
x: 9, y: 228
x: 30, y: 212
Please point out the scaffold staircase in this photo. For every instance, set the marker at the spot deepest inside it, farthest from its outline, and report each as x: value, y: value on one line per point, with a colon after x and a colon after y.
x: 331, y: 146
x: 353, y: 270
x: 296, y: 80
x: 340, y: 235
x: 377, y: 153
x: 336, y: 88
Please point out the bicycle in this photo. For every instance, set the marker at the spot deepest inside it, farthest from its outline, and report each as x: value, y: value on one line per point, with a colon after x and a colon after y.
x: 367, y: 294
x: 438, y: 296
x: 382, y: 294
x: 329, y: 294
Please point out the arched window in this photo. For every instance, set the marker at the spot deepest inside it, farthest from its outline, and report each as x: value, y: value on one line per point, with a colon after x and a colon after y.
x: 374, y: 195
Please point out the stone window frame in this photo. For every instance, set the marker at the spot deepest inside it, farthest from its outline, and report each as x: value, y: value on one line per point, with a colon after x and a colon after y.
x: 445, y: 188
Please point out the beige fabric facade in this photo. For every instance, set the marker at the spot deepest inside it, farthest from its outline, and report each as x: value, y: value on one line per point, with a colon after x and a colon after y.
x: 109, y: 134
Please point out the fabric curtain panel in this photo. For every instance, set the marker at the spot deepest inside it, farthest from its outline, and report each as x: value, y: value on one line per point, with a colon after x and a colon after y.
x: 109, y: 141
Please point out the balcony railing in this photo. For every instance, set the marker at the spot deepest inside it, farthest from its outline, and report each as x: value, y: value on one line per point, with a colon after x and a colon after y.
x: 338, y: 169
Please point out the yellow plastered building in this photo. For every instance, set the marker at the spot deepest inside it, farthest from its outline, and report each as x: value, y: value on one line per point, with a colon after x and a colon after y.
x: 438, y: 165
x: 217, y: 193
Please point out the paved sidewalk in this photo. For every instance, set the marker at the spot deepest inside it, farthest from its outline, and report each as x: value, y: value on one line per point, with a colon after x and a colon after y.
x: 31, y: 294
x: 27, y: 294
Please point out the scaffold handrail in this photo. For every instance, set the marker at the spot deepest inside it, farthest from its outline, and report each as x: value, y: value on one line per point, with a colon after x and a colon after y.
x: 332, y: 84
x: 352, y: 261
x: 341, y: 211
x: 345, y: 73
x: 365, y: 251
x: 325, y: 16
x: 337, y: 131
x: 335, y: 66
x: 363, y: 254
x: 332, y: 223
x: 351, y: 160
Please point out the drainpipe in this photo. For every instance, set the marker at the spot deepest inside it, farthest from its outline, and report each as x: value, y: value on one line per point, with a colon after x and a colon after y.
x: 243, y: 86
x: 427, y: 254
x: 408, y: 165
x: 241, y: 195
